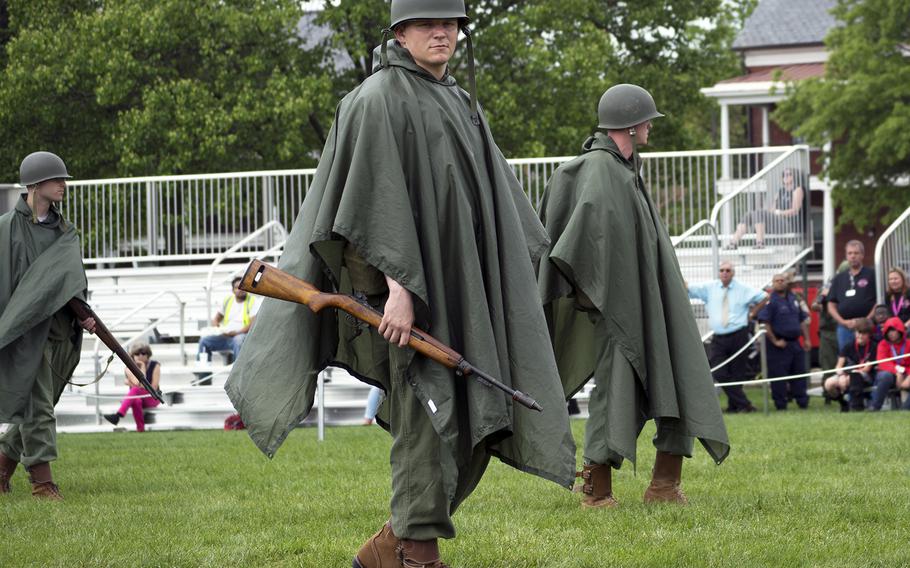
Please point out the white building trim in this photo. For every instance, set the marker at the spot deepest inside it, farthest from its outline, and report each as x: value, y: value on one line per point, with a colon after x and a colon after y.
x: 747, y: 92
x: 782, y: 56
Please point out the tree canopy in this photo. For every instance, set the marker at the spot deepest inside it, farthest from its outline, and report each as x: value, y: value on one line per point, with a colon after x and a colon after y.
x: 127, y: 87
x: 863, y: 105
x: 131, y: 87
x: 543, y: 64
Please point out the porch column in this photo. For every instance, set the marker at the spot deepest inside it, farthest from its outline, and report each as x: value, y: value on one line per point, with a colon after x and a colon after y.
x: 725, y: 139
x: 829, y: 258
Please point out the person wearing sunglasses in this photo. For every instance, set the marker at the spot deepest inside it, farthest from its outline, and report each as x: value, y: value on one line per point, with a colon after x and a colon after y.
x: 728, y: 303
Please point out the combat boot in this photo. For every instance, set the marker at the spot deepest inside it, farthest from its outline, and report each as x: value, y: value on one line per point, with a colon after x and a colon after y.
x: 382, y: 550
x: 420, y: 554
x: 43, y: 485
x: 597, y: 486
x: 7, y: 469
x: 665, y: 480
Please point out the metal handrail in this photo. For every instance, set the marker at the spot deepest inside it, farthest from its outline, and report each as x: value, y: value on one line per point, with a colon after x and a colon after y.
x: 691, y: 231
x: 879, y: 250
x: 181, y: 306
x: 715, y: 211
x: 220, y: 258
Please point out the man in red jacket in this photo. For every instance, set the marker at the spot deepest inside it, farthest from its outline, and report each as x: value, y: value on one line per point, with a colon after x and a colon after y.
x: 892, y: 374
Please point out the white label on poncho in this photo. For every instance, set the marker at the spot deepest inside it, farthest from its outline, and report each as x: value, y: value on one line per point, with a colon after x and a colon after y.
x: 432, y: 405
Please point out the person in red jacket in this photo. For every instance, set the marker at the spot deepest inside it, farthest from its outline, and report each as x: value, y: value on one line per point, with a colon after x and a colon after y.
x: 892, y: 374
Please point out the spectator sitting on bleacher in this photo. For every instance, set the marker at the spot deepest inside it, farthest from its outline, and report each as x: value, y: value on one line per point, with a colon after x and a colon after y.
x: 137, y: 399
x: 880, y: 314
x: 783, y: 217
x: 897, y: 299
x: 892, y: 374
x: 233, y: 320
x: 856, y: 381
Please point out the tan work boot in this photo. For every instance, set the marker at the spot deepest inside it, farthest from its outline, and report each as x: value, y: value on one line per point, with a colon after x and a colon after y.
x: 43, y: 485
x: 665, y: 479
x: 7, y: 469
x: 382, y: 550
x: 420, y: 554
x: 598, y: 486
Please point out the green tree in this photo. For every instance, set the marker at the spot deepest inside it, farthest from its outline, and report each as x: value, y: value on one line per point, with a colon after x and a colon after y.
x: 130, y: 87
x: 863, y: 105
x: 543, y: 64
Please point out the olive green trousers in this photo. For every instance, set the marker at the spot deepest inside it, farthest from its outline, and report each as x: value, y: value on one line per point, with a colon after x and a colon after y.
x: 35, y: 441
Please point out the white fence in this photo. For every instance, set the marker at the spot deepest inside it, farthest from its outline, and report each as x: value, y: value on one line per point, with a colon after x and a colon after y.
x: 892, y: 251
x: 201, y: 216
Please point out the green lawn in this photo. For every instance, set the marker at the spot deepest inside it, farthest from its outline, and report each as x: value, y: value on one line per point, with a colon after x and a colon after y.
x: 812, y: 488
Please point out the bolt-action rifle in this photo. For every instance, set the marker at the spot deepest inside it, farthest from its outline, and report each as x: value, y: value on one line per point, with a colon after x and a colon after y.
x: 265, y: 280
x: 83, y: 311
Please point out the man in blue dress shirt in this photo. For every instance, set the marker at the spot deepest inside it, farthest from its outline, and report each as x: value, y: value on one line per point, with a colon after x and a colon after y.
x: 728, y: 302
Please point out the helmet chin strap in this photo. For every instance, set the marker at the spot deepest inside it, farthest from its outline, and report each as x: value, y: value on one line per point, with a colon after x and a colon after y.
x: 32, y: 191
x: 636, y: 159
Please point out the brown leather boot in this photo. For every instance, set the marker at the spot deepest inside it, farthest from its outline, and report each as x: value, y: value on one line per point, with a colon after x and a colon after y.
x: 43, y: 485
x: 598, y: 486
x: 665, y: 478
x: 382, y: 550
x: 420, y: 554
x: 7, y: 469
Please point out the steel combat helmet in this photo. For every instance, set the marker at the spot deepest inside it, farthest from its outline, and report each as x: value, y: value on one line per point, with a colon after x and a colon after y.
x: 624, y: 106
x: 41, y: 166
x: 403, y: 10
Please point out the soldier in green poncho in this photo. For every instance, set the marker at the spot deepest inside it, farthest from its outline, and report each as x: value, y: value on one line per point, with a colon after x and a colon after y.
x: 414, y: 209
x: 40, y: 271
x: 617, y: 308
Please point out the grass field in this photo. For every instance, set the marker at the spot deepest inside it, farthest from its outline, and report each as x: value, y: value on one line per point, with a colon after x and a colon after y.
x: 811, y: 488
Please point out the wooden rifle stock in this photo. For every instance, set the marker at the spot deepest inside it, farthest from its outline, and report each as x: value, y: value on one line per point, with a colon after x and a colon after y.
x: 83, y: 311
x: 266, y: 280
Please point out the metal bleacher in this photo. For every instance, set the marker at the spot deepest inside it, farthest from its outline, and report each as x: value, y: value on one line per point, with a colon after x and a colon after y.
x: 117, y: 292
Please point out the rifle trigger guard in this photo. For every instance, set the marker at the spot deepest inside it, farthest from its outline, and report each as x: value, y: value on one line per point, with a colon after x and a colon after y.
x: 358, y: 325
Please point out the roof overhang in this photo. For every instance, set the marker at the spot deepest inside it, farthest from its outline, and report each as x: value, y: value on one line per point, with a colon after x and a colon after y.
x: 762, y: 86
x: 751, y: 93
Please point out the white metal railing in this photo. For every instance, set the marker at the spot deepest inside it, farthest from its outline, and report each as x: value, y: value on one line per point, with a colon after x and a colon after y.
x: 892, y: 251
x: 181, y: 306
x: 190, y: 217
x: 180, y: 217
x: 765, y: 218
x: 271, y: 249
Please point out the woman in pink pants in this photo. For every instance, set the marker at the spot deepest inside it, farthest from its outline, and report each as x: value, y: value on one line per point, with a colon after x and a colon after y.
x: 142, y: 355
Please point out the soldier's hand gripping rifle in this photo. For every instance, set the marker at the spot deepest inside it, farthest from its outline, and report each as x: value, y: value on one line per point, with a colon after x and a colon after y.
x: 266, y: 280
x: 83, y: 312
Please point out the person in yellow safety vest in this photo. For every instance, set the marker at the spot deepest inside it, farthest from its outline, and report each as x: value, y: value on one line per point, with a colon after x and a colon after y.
x: 233, y: 321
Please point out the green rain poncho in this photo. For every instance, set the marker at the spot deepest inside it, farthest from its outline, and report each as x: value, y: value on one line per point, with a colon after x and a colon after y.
x: 40, y: 271
x: 609, y: 243
x: 425, y: 196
